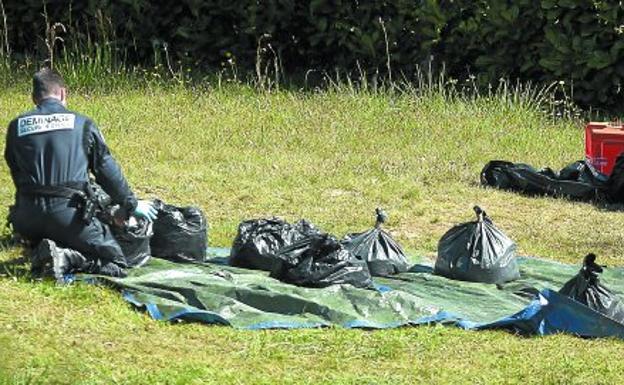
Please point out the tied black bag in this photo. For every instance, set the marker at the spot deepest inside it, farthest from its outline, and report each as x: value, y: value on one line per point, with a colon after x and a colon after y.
x: 258, y: 241
x: 320, y: 261
x: 382, y: 253
x: 134, y: 239
x: 586, y: 288
x: 180, y: 233
x: 133, y: 235
x: 477, y: 251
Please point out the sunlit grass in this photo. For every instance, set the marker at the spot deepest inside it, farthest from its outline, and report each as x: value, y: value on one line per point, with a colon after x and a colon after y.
x: 331, y: 157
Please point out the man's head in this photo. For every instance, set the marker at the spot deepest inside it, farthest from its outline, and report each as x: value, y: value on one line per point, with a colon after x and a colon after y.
x: 47, y: 83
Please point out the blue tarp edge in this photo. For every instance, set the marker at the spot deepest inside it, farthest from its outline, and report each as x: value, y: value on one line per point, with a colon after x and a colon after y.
x: 550, y: 313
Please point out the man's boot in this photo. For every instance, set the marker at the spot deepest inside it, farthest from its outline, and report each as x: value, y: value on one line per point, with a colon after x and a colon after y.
x: 41, y: 258
x: 49, y: 259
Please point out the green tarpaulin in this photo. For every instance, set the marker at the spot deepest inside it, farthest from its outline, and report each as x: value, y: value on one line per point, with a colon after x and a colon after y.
x: 216, y: 293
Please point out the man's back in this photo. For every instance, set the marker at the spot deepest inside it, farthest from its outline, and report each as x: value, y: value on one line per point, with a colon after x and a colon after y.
x: 47, y: 146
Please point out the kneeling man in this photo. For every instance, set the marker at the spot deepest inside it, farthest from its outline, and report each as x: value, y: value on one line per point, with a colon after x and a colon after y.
x: 52, y: 154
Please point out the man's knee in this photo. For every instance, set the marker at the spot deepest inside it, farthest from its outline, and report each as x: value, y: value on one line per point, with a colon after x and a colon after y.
x: 98, y: 241
x: 94, y: 239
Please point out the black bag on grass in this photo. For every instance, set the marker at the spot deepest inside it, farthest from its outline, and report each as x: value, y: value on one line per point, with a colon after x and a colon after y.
x: 134, y: 238
x: 586, y: 288
x: 258, y: 240
x: 180, y: 233
x: 477, y: 251
x: 579, y: 180
x: 320, y: 261
x: 382, y: 253
x: 615, y: 184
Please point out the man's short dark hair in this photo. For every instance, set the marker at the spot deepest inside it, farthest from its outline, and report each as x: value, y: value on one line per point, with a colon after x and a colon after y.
x: 46, y: 82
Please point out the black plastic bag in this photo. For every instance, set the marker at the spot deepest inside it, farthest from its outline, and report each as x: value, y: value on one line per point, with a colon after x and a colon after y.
x: 579, y: 180
x: 382, y: 253
x: 134, y: 238
x: 477, y: 251
x: 615, y: 184
x: 587, y: 289
x: 180, y: 233
x: 258, y: 240
x: 320, y: 261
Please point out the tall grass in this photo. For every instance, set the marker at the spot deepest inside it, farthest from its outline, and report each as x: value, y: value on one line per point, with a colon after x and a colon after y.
x: 93, y: 61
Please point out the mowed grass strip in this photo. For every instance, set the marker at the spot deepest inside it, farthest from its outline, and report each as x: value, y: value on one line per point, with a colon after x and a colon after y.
x: 330, y: 157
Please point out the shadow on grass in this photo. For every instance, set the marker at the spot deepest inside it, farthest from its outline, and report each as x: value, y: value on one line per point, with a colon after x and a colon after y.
x: 18, y: 267
x: 15, y: 268
x: 610, y: 207
x: 601, y: 204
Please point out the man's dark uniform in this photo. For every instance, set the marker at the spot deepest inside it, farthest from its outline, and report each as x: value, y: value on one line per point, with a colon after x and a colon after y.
x: 51, y: 146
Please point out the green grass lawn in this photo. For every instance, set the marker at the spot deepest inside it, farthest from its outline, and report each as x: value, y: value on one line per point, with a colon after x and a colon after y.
x: 330, y: 157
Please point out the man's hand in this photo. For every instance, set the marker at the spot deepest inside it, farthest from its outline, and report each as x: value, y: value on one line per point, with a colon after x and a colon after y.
x: 146, y: 210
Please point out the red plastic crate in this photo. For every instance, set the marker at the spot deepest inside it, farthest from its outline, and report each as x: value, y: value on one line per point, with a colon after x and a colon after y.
x: 604, y: 142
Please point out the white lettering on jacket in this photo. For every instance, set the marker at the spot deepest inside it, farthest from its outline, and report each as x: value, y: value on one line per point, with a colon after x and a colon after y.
x: 36, y: 124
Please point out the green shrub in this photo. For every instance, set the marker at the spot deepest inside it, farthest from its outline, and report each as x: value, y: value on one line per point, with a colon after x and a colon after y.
x: 580, y: 42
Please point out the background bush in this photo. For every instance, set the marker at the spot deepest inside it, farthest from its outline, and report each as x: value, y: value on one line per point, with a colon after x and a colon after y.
x: 579, y: 42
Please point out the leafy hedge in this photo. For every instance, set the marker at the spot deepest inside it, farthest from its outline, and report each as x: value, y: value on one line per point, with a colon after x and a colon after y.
x: 580, y: 42
x: 576, y: 41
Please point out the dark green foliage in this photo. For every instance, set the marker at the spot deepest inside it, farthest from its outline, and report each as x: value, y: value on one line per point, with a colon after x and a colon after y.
x: 493, y: 39
x: 584, y: 43
x: 580, y: 42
